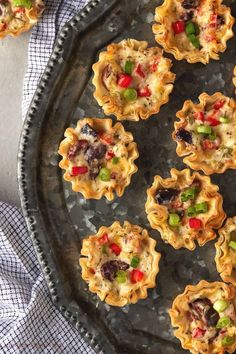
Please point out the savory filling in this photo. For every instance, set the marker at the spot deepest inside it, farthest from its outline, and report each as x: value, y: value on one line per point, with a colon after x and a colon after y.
x: 186, y: 208
x: 197, y: 24
x: 133, y: 78
x: 212, y: 322
x: 97, y: 155
x: 121, y: 259
x: 210, y: 130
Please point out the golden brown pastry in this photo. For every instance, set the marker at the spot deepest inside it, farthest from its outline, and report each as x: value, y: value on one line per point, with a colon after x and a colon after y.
x: 195, y: 30
x: 98, y: 158
x: 226, y: 251
x: 206, y: 318
x: 184, y: 208
x: 131, y: 80
x: 206, y: 133
x: 17, y: 16
x: 120, y: 263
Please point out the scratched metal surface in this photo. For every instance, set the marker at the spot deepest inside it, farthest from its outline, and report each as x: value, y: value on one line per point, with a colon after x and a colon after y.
x: 59, y: 219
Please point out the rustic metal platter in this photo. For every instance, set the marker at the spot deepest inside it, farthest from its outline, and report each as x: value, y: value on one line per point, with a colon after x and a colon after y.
x: 58, y: 219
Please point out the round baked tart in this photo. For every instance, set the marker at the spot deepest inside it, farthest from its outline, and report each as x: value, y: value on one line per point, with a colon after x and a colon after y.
x: 98, y: 158
x: 120, y: 263
x: 195, y: 30
x: 226, y: 251
x: 206, y: 318
x: 131, y: 80
x: 184, y: 208
x: 17, y: 16
x: 206, y: 133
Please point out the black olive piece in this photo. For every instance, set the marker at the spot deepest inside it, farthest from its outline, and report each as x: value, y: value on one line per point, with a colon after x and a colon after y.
x: 211, y: 317
x: 78, y: 146
x: 185, y: 135
x: 199, y: 307
x: 110, y: 268
x: 95, y: 152
x: 164, y: 196
x: 190, y: 4
x: 94, y: 168
x: 88, y: 130
x: 220, y: 20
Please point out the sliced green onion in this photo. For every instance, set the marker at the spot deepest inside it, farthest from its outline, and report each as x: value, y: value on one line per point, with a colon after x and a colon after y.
x: 174, y: 219
x: 194, y: 40
x: 135, y: 262
x: 212, y: 136
x: 191, y: 211
x: 224, y: 120
x: 232, y: 244
x: 121, y: 276
x: 104, y: 249
x: 115, y: 160
x: 227, y: 340
x: 130, y: 94
x: 104, y: 174
x: 220, y: 305
x: 223, y: 322
x: 23, y: 3
x: 129, y: 66
x: 201, y: 207
x: 189, y: 193
x: 190, y: 28
x: 204, y: 129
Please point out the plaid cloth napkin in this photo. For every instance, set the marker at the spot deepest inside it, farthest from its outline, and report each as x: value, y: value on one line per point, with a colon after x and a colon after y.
x: 29, y: 322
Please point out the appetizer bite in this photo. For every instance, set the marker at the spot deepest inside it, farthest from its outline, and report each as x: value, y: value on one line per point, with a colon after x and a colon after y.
x: 132, y: 81
x: 205, y: 315
x: 226, y: 251
x: 98, y: 158
x: 17, y: 16
x: 206, y: 133
x: 184, y: 208
x: 195, y: 30
x: 120, y: 263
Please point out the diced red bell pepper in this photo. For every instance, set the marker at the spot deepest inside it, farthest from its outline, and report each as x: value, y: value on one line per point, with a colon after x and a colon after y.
x: 195, y: 223
x: 213, y: 121
x: 213, y: 20
x: 144, y: 92
x: 124, y: 80
x: 79, y: 170
x: 136, y: 275
x: 115, y: 248
x: 106, y: 138
x: 199, y: 116
x: 154, y: 65
x: 198, y: 332
x: 103, y: 239
x: 178, y: 27
x: 139, y: 71
x: 219, y: 104
x: 109, y: 155
x: 113, y: 175
x: 208, y: 144
x: 92, y: 270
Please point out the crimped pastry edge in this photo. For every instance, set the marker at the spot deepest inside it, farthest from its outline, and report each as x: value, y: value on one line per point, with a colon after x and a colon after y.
x: 157, y: 214
x: 107, y: 102
x: 139, y: 290
x: 83, y: 187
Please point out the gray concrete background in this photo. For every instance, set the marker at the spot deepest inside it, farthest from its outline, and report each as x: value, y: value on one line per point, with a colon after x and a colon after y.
x: 13, y: 62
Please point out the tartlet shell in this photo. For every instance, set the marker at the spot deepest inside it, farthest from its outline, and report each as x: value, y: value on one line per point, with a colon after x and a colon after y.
x: 223, y: 259
x: 161, y: 34
x: 104, y: 190
x: 137, y: 291
x: 32, y: 15
x: 178, y: 318
x: 158, y: 214
x: 196, y: 159
x: 107, y: 102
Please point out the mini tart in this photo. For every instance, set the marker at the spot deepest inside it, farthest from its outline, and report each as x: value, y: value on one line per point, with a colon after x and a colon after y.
x: 206, y: 318
x: 195, y: 30
x: 98, y: 158
x: 206, y: 133
x: 131, y: 80
x: 226, y: 251
x: 120, y: 263
x: 184, y: 208
x: 17, y: 16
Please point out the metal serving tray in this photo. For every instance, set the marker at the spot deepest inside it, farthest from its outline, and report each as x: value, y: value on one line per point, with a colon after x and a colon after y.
x: 58, y: 219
